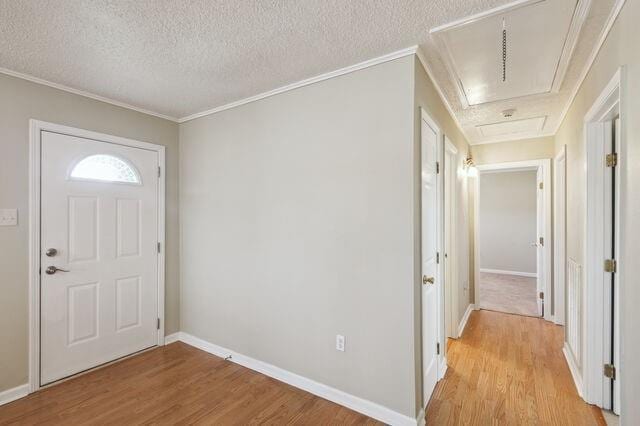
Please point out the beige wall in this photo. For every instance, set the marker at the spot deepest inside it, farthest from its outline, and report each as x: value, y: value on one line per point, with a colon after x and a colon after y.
x: 296, y: 225
x: 20, y: 101
x: 507, y: 221
x: 619, y: 49
x: 519, y: 150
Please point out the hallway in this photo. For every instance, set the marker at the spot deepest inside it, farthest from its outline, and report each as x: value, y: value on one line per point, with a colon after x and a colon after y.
x: 508, y: 369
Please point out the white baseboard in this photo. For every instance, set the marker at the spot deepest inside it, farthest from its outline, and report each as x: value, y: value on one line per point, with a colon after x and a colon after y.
x: 11, y: 395
x: 420, y: 421
x: 465, y: 318
x: 501, y: 271
x: 353, y: 402
x: 171, y: 338
x: 573, y: 368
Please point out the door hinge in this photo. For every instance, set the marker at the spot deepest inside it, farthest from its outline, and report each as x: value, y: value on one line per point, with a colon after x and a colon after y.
x: 542, y: 241
x: 438, y: 348
x: 541, y: 295
x: 610, y: 371
x: 158, y: 247
x: 541, y: 185
x: 159, y: 171
x: 612, y: 159
x: 437, y: 167
x: 438, y: 257
x: 610, y: 265
x: 158, y: 324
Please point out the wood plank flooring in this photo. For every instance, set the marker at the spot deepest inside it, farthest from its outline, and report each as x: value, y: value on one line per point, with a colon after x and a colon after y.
x: 176, y: 384
x: 508, y: 369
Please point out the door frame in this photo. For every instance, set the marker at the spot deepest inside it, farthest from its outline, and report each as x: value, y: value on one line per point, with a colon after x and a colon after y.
x: 544, y: 166
x: 451, y: 257
x: 442, y: 358
x: 559, y: 235
x: 596, y: 322
x: 36, y: 127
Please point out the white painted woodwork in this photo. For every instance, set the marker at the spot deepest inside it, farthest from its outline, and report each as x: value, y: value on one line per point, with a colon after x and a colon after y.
x: 574, y: 310
x: 514, y: 128
x: 543, y: 304
x: 430, y: 299
x: 559, y: 237
x: 106, y: 235
x: 536, y: 36
x: 450, y: 239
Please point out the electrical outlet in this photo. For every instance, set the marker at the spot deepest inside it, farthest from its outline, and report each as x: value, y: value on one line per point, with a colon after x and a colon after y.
x: 8, y: 217
x: 340, y: 343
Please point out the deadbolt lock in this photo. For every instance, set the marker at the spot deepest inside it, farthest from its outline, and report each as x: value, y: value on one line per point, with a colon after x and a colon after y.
x: 51, y: 252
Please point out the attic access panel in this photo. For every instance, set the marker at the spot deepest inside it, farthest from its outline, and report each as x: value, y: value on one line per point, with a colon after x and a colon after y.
x: 538, y: 40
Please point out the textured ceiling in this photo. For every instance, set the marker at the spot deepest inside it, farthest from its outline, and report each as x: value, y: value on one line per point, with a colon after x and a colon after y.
x: 178, y: 57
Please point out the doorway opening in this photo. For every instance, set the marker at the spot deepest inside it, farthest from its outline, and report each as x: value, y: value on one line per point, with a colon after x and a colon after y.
x: 513, y: 248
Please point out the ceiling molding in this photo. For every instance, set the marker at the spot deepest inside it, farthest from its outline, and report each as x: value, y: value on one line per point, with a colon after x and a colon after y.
x: 513, y: 139
x: 578, y: 19
x: 342, y: 71
x: 577, y: 22
x: 84, y: 94
x: 443, y: 98
x: 594, y: 54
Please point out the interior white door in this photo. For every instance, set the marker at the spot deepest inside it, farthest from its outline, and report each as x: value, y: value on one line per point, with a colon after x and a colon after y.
x: 99, y: 221
x: 559, y: 239
x: 450, y: 276
x: 430, y: 278
x: 540, y: 243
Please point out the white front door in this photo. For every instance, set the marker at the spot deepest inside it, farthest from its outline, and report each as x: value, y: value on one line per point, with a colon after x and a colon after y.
x: 430, y: 278
x: 542, y: 305
x: 99, y: 260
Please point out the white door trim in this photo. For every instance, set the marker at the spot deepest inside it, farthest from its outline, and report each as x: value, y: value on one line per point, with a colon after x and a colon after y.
x: 596, y: 325
x: 547, y: 274
x: 559, y: 235
x: 442, y: 359
x: 36, y: 128
x: 451, y: 258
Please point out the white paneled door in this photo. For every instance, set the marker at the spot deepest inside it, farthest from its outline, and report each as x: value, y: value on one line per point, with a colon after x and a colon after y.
x: 430, y: 279
x: 99, y: 260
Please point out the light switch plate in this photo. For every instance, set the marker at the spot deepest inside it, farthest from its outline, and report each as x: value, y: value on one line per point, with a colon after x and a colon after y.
x: 8, y: 217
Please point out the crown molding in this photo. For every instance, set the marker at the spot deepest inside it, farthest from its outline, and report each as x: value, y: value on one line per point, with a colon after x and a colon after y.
x: 615, y: 11
x: 84, y: 94
x: 306, y: 82
x: 514, y: 138
x: 443, y: 98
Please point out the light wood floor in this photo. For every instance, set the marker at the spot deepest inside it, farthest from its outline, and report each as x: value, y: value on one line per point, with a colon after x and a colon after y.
x: 508, y: 293
x: 176, y: 384
x: 508, y: 369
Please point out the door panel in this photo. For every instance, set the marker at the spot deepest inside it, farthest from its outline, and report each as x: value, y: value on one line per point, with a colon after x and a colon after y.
x: 429, y: 145
x: 99, y: 210
x: 542, y: 303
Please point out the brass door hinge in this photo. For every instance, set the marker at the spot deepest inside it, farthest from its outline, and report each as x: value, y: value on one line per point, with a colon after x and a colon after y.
x: 610, y: 265
x: 542, y: 241
x: 437, y: 348
x: 610, y: 371
x: 541, y: 185
x: 437, y: 167
x: 159, y: 172
x: 541, y: 295
x: 158, y: 324
x: 612, y: 159
x: 438, y: 257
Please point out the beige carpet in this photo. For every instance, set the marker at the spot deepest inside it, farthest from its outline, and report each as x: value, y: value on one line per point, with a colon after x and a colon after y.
x: 508, y: 293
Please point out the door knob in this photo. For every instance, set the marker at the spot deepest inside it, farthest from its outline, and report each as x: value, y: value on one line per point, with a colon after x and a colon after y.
x: 427, y: 280
x: 51, y: 252
x: 52, y: 270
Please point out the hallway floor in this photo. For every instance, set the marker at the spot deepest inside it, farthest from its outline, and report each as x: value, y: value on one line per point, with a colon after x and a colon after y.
x: 508, y: 293
x: 509, y: 369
